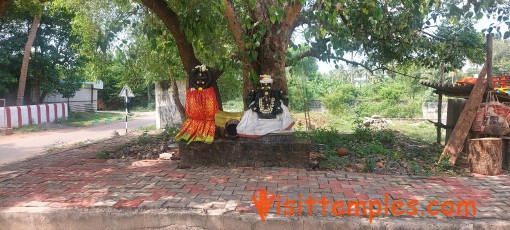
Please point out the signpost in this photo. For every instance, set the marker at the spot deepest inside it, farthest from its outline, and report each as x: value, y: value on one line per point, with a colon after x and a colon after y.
x: 126, y: 93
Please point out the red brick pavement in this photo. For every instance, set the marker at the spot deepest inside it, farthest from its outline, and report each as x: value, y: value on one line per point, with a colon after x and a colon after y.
x: 70, y: 180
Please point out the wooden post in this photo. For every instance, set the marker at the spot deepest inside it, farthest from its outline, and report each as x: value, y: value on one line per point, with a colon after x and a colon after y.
x: 439, y: 119
x: 489, y: 61
x: 456, y: 142
x: 454, y: 110
x: 485, y: 156
x: 439, y: 106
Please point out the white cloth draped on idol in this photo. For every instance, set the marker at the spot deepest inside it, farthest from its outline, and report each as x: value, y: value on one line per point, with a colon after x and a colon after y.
x: 252, y: 126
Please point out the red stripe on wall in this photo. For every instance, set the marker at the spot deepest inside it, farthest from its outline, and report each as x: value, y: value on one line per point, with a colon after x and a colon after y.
x: 38, y: 114
x: 20, y: 119
x: 8, y: 116
x: 63, y: 110
x: 29, y: 109
x: 47, y: 113
x: 56, y: 111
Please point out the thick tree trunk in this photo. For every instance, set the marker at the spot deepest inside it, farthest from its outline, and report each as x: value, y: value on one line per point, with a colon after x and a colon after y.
x: 271, y: 54
x: 42, y: 97
x: 171, y: 21
x: 3, y: 6
x: 485, y: 156
x: 186, y: 51
x: 26, y: 58
x: 167, y: 109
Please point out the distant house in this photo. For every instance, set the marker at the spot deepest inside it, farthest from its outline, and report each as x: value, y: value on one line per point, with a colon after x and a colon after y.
x: 85, y: 99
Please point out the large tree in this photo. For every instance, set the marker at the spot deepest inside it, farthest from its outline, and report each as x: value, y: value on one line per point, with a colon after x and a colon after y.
x: 51, y: 56
x: 384, y: 31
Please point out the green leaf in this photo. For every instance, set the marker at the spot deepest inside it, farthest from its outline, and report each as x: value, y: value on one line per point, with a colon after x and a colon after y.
x: 323, y: 32
x: 272, y: 10
x: 254, y: 55
x: 272, y: 18
x: 253, y: 4
x: 479, y: 15
x: 506, y: 35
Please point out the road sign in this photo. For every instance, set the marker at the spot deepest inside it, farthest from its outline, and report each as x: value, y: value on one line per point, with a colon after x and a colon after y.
x: 126, y: 92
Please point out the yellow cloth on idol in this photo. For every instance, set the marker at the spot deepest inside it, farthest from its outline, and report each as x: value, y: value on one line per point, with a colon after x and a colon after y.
x: 201, y: 106
x: 221, y: 118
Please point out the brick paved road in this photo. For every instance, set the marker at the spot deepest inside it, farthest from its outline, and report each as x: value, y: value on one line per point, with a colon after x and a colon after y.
x: 75, y: 179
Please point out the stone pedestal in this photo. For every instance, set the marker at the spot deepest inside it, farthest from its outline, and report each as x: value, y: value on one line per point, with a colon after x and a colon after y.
x: 267, y: 151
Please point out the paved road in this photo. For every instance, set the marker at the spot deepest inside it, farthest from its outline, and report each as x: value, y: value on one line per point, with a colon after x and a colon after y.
x: 21, y: 146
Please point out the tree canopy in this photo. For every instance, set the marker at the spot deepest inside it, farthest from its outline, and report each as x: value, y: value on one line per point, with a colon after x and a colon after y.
x: 170, y: 37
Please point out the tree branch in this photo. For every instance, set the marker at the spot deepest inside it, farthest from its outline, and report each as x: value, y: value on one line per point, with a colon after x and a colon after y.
x: 314, y: 53
x: 171, y: 21
x: 3, y: 6
x: 339, y: 7
x: 291, y: 15
x: 384, y: 68
x: 429, y: 34
x: 234, y: 24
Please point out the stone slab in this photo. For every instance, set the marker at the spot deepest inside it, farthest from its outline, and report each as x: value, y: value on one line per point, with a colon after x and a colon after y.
x: 279, y: 151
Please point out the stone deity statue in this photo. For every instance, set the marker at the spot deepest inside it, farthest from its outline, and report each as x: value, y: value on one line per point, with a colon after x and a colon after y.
x: 267, y: 113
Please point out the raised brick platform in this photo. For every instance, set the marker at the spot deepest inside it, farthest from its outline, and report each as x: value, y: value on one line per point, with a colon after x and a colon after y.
x: 270, y: 150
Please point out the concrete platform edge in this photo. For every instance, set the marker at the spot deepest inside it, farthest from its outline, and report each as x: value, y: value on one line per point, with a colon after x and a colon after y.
x: 109, y: 218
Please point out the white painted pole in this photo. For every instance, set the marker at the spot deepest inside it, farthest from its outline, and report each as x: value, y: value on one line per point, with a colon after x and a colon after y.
x: 5, y: 113
x: 126, y: 102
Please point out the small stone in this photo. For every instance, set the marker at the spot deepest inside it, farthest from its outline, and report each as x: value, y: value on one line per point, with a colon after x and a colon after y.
x: 173, y: 145
x: 115, y: 133
x: 342, y: 152
x: 165, y: 156
x: 360, y: 167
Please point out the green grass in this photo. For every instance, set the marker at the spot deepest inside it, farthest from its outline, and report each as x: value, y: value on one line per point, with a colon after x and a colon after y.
x: 421, y: 130
x: 369, y: 147
x: 324, y: 120
x: 86, y: 119
x: 148, y: 128
x: 31, y: 128
x: 146, y: 108
x: 102, y: 155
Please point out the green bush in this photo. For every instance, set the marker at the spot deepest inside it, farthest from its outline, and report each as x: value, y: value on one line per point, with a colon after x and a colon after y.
x: 102, y: 155
x: 341, y: 99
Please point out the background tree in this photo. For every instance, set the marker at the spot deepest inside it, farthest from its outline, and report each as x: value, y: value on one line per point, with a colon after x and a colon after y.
x: 26, y: 57
x: 50, y: 55
x: 501, y: 57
